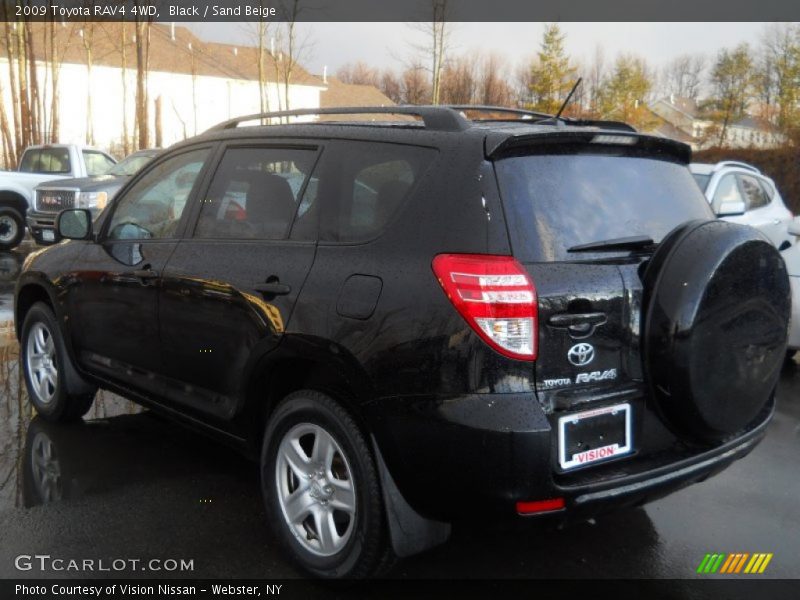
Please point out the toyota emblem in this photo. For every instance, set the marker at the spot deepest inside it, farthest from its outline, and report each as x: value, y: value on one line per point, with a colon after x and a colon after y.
x: 581, y: 354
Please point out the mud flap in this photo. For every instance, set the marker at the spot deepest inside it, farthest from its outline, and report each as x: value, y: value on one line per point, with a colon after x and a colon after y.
x: 411, y: 533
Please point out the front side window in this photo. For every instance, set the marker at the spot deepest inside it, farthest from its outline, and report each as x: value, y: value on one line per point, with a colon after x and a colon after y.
x: 152, y: 208
x: 53, y: 161
x: 97, y: 163
x: 727, y: 191
x: 256, y: 193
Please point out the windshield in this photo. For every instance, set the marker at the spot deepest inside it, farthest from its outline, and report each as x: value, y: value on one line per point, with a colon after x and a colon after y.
x: 555, y: 202
x: 129, y: 165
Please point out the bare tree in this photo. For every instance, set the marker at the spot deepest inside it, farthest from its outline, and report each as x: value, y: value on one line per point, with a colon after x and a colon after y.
x: 391, y: 86
x: 492, y: 86
x: 683, y: 76
x: 436, y: 46
x: 87, y: 36
x: 776, y: 76
x: 142, y: 68
x: 416, y: 87
x: 294, y: 48
x: 731, y: 79
x: 359, y: 73
x: 459, y: 81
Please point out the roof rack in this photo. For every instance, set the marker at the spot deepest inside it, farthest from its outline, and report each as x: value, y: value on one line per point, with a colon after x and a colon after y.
x: 437, y: 118
x: 499, y: 109
x: 735, y: 163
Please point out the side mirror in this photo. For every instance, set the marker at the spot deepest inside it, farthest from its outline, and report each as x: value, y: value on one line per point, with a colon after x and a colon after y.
x: 794, y: 228
x: 731, y: 209
x: 74, y: 224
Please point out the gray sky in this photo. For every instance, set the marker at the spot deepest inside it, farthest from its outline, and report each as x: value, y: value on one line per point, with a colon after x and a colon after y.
x: 387, y: 44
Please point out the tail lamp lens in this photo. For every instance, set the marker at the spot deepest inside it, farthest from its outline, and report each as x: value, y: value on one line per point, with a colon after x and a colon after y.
x: 496, y: 297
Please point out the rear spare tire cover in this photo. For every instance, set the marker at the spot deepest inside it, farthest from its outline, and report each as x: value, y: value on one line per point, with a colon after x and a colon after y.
x: 717, y: 302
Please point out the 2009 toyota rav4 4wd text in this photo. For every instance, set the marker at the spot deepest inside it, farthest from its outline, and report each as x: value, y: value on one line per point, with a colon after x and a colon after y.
x: 457, y: 314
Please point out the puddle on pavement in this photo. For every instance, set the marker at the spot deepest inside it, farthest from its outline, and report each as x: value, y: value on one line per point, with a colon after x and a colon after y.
x: 31, y: 475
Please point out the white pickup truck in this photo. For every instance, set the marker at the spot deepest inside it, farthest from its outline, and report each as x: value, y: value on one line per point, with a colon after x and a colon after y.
x: 38, y: 164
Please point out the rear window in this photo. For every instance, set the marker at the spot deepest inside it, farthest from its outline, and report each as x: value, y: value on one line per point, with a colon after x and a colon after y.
x: 554, y: 202
x: 53, y: 161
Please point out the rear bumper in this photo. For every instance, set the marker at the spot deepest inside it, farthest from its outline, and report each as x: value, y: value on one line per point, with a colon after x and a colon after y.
x: 480, y: 454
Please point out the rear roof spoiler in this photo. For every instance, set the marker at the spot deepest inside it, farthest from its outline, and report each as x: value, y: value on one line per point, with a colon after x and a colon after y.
x: 497, y: 144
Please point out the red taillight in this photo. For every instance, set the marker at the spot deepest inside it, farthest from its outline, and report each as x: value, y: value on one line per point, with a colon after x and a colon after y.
x: 539, y: 506
x: 496, y: 297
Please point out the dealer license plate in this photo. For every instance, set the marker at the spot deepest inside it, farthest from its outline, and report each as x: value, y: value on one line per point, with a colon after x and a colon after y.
x: 48, y: 235
x: 594, y: 435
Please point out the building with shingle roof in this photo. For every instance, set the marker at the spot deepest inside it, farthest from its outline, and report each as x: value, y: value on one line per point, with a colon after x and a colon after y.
x: 192, y: 84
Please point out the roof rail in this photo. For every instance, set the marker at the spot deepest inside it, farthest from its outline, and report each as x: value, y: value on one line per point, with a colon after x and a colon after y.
x: 540, y: 116
x: 736, y: 163
x: 498, y: 109
x: 437, y: 118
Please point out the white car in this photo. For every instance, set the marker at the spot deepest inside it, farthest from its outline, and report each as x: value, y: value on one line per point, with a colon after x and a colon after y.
x: 740, y: 193
x: 792, y: 258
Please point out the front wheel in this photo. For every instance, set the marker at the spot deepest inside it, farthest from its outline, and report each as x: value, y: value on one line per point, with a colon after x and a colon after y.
x: 321, y: 488
x: 12, y: 228
x: 44, y: 364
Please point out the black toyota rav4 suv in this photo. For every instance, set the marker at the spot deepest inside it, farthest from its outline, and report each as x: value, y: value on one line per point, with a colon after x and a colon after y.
x: 457, y: 313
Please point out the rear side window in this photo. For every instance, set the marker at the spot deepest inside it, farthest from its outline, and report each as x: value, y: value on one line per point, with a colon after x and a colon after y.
x: 554, y: 202
x: 256, y: 192
x: 367, y: 183
x: 46, y: 160
x: 753, y: 192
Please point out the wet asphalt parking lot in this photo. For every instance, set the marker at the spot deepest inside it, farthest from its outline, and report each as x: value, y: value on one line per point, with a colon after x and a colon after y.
x: 126, y: 484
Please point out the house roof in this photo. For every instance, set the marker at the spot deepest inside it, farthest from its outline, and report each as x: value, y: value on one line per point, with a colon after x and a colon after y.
x: 341, y: 94
x: 687, y: 106
x: 757, y: 124
x: 668, y: 130
x: 185, y: 53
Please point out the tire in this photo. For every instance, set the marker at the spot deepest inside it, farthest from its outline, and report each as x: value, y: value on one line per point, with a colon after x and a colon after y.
x: 327, y: 531
x: 717, y: 305
x: 12, y: 228
x: 44, y: 363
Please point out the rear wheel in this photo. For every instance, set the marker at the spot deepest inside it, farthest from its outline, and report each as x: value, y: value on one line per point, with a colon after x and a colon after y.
x: 321, y: 488
x: 44, y: 364
x: 12, y: 228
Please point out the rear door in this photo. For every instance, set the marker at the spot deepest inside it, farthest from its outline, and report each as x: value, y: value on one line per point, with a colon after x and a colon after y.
x: 230, y: 286
x: 559, y: 198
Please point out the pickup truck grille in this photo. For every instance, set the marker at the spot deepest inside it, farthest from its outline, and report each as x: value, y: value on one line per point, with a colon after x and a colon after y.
x: 54, y: 200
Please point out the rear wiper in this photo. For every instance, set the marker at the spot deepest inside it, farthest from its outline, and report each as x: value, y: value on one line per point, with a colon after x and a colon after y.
x: 636, y: 242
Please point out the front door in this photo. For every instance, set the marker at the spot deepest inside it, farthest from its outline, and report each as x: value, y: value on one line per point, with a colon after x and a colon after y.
x: 113, y: 298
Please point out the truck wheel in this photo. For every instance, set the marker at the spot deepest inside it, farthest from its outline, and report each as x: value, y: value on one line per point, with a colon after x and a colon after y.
x: 12, y: 228
x: 321, y: 488
x: 717, y: 304
x: 44, y: 363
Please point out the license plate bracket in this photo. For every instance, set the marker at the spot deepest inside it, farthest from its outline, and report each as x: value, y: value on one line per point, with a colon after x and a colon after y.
x: 593, y: 436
